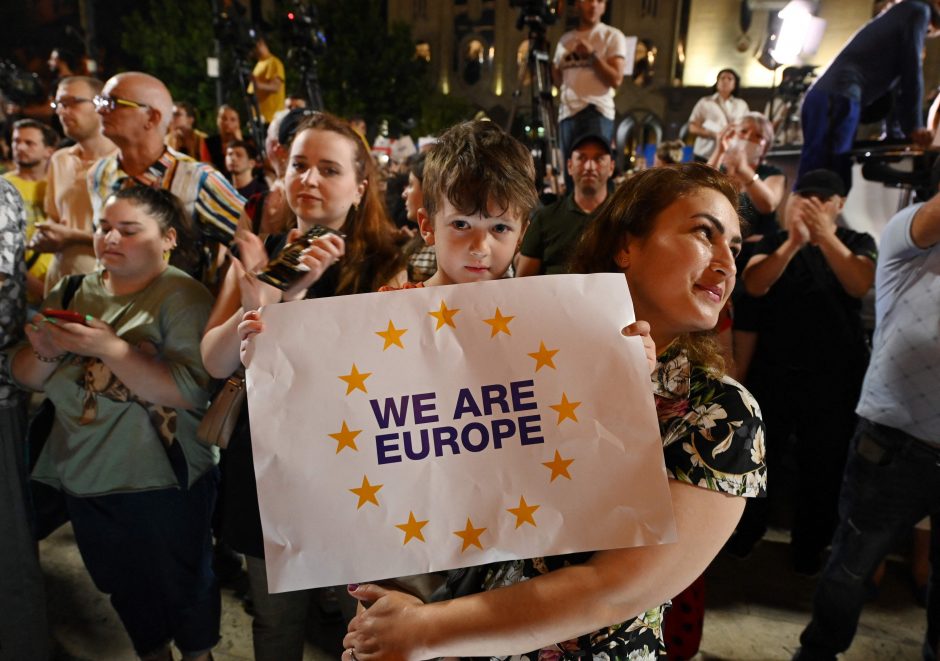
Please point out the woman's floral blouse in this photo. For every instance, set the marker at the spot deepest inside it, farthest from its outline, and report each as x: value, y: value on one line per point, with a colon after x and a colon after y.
x: 713, y: 438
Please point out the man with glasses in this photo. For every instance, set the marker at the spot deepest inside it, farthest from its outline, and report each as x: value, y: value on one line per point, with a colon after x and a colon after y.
x: 67, y: 231
x: 807, y: 282
x: 136, y: 110
x: 555, y: 229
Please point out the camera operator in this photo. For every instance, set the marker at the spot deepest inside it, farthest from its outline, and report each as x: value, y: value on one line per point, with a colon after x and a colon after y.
x: 589, y: 64
x: 267, y: 80
x: 883, y: 57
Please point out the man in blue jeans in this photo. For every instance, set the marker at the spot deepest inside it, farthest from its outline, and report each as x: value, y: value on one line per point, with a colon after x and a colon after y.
x: 892, y: 475
x: 883, y: 57
x: 588, y: 65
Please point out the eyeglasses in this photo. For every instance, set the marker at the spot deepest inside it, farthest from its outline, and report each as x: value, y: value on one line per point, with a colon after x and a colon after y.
x: 67, y: 102
x: 110, y: 103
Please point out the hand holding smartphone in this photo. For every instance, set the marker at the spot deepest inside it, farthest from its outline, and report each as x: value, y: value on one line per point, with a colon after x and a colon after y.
x: 65, y: 315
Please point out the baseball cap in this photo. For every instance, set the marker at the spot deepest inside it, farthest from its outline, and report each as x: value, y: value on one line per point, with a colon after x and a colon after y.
x: 594, y: 137
x: 824, y: 183
x: 290, y: 123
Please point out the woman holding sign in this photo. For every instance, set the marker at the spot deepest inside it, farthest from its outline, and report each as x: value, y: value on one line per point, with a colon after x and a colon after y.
x: 674, y: 232
x: 329, y: 184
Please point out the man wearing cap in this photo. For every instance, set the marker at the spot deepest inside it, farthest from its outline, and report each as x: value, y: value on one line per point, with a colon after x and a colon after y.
x: 588, y: 66
x: 556, y: 228
x: 806, y: 282
x: 892, y: 475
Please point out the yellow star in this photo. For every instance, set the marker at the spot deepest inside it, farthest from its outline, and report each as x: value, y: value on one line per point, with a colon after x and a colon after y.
x: 392, y: 336
x: 499, y: 323
x: 367, y: 493
x: 565, y: 409
x: 444, y: 316
x: 524, y: 512
x: 346, y: 438
x: 412, y: 528
x: 470, y: 536
x: 558, y: 466
x: 356, y: 380
x: 543, y: 357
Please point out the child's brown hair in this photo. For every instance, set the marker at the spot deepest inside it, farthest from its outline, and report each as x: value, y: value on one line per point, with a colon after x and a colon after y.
x: 475, y: 164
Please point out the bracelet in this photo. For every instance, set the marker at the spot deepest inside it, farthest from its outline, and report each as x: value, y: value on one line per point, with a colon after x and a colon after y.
x: 48, y: 360
x: 756, y: 177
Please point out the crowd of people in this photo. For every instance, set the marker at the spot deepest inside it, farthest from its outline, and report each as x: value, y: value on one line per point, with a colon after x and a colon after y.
x: 128, y: 274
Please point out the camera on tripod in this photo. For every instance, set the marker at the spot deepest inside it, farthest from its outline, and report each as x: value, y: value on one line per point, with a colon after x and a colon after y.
x: 795, y: 81
x: 303, y: 29
x: 536, y: 13
x: 19, y: 86
x: 232, y: 29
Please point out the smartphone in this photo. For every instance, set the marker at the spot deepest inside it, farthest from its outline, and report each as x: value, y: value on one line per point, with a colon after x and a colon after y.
x: 65, y: 315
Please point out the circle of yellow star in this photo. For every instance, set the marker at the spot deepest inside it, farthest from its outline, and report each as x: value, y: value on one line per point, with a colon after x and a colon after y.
x: 356, y: 380
x: 444, y: 316
x: 524, y: 512
x: 346, y: 438
x: 470, y: 536
x: 367, y: 492
x: 412, y: 528
x: 565, y: 409
x: 543, y: 357
x: 558, y: 466
x: 392, y: 336
x: 499, y: 323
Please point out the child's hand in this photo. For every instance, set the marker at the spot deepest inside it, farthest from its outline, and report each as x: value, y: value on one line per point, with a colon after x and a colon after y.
x: 642, y: 329
x: 249, y: 326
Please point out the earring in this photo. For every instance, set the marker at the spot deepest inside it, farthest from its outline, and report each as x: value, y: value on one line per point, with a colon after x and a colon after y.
x: 166, y: 255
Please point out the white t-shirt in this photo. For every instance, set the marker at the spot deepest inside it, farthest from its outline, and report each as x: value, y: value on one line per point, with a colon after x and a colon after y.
x: 902, y: 385
x: 580, y: 85
x: 715, y: 114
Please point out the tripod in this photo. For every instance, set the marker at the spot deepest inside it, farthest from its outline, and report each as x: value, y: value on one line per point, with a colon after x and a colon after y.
x: 256, y: 121
x: 543, y: 132
x: 307, y: 63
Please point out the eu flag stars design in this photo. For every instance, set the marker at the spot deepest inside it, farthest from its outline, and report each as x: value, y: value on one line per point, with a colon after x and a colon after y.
x: 392, y: 336
x: 346, y: 438
x: 565, y: 409
x: 499, y: 324
x: 523, y: 513
x: 366, y: 493
x: 356, y: 380
x: 543, y: 357
x: 412, y: 528
x: 470, y: 536
x: 444, y: 316
x: 558, y: 466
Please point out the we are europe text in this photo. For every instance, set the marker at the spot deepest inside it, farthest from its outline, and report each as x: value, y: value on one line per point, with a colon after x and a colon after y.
x: 422, y: 438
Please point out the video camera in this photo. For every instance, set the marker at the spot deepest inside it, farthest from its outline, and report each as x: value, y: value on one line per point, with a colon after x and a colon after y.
x: 303, y: 29
x: 796, y: 80
x: 536, y: 14
x: 232, y: 29
x: 19, y: 86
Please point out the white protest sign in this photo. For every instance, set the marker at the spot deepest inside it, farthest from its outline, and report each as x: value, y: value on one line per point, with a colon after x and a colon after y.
x: 427, y: 429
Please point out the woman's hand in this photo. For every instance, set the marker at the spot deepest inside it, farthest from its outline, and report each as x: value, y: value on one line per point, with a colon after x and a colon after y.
x: 249, y: 326
x: 251, y: 251
x: 642, y: 329
x: 41, y: 340
x: 321, y: 255
x: 388, y: 630
x: 94, y: 339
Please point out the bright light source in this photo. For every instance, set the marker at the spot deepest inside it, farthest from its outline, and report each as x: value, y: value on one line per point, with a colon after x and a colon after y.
x: 800, y: 33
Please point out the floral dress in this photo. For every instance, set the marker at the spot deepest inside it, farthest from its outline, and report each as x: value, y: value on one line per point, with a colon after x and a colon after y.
x: 713, y: 438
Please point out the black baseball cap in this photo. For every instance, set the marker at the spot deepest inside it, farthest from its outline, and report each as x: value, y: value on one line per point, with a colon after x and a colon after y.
x: 290, y: 122
x: 824, y: 183
x: 592, y: 136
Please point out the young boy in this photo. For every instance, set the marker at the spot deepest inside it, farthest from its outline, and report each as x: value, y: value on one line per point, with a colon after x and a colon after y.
x: 479, y: 189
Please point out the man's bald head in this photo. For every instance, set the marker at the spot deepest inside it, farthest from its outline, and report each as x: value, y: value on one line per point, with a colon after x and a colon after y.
x: 145, y: 89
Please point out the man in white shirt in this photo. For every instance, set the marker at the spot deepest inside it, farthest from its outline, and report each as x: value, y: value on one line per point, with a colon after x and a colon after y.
x: 589, y: 65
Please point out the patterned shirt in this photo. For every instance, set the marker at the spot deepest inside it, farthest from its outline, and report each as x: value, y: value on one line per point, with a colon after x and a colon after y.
x: 13, y: 284
x: 213, y: 202
x: 713, y: 438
